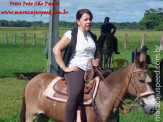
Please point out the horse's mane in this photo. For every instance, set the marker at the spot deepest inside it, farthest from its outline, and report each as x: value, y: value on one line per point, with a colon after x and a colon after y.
x: 119, y: 72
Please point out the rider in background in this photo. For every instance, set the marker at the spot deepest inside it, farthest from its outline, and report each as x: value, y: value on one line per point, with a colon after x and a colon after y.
x: 106, y: 28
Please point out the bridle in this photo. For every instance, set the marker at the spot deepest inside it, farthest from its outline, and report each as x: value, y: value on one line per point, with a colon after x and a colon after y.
x: 139, y: 95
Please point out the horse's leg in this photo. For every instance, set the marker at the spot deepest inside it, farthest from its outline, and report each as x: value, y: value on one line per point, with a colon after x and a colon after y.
x: 32, y: 100
x: 117, y: 118
x: 105, y: 62
x: 43, y: 118
x: 90, y: 115
x: 109, y: 61
x: 27, y: 114
x: 110, y: 57
x: 107, y: 56
x: 101, y: 65
x: 114, y: 117
x: 30, y: 115
x: 23, y: 109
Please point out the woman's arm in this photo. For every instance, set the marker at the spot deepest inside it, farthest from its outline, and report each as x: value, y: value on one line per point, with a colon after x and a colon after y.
x: 114, y: 30
x: 57, y: 50
x: 96, y: 61
x: 97, y: 56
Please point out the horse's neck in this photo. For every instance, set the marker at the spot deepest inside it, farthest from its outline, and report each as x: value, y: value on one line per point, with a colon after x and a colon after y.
x: 107, y: 97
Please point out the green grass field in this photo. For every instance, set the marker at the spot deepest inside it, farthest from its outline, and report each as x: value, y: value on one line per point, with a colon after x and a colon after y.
x: 18, y: 59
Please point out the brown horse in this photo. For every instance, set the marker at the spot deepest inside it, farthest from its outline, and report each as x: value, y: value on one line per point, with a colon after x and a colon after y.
x: 132, y: 79
x: 107, y: 51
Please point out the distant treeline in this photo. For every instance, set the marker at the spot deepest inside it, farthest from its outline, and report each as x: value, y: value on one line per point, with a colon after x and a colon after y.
x: 63, y: 24
x: 152, y: 20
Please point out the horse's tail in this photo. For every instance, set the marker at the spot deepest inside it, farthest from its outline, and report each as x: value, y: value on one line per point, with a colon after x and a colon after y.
x: 23, y: 109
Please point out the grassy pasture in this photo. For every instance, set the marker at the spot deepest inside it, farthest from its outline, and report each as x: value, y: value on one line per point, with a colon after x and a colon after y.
x: 17, y: 59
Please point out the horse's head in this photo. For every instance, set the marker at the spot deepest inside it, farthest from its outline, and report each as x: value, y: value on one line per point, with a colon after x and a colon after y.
x: 139, y: 84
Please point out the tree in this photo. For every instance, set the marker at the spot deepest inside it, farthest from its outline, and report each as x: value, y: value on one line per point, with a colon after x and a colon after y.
x: 4, y: 23
x: 153, y: 19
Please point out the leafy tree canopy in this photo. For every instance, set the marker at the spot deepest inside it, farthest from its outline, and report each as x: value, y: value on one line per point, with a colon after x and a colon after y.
x: 152, y: 20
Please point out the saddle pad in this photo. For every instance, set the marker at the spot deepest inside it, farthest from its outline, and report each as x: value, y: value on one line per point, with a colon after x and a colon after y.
x: 49, y: 92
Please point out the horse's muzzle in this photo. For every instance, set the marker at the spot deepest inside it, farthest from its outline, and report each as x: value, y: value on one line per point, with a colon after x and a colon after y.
x: 149, y: 104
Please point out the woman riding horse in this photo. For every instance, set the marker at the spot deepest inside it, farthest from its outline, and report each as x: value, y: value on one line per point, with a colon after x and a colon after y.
x: 132, y: 79
x: 80, y: 47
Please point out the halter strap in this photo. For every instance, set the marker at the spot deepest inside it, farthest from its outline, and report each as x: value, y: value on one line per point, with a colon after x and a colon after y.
x: 147, y: 94
x: 140, y: 95
x: 138, y: 71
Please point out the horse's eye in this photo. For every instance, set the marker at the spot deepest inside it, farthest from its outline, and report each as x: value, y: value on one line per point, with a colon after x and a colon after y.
x: 142, y: 81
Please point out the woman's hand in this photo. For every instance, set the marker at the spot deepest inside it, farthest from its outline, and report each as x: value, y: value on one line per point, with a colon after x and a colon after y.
x: 70, y: 69
x: 95, y: 62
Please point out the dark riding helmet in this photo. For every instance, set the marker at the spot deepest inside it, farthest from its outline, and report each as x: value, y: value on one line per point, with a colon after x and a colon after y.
x: 106, y: 19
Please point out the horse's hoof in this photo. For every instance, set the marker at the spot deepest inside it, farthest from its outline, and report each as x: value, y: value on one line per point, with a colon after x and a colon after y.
x: 117, y: 52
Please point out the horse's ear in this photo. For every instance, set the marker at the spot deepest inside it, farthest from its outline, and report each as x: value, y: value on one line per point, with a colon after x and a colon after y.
x: 143, y: 57
x: 136, y: 52
x: 136, y: 58
x: 143, y: 60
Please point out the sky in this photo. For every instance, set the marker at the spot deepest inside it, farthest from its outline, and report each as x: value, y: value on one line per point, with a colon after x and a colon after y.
x: 117, y: 10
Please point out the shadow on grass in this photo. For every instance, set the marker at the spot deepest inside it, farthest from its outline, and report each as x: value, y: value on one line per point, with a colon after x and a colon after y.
x: 26, y: 76
x: 20, y: 75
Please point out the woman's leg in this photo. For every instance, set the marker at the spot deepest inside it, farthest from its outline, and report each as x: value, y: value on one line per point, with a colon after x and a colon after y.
x: 75, y: 83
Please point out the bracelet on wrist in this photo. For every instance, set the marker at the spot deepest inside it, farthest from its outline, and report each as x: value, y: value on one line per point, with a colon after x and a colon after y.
x: 63, y: 68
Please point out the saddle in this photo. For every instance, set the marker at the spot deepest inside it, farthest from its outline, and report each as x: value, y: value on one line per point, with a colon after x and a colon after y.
x: 60, y: 89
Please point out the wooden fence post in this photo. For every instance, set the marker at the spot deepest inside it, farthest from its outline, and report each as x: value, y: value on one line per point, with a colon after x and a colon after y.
x: 161, y: 43
x: 24, y: 40
x: 38, y: 33
x: 44, y: 42
x: 14, y: 41
x: 34, y: 39
x: 6, y: 38
x: 143, y: 40
x: 125, y: 41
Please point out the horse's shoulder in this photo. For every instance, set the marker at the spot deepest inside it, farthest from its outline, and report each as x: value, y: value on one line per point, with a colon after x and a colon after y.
x: 43, y: 79
x: 47, y: 76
